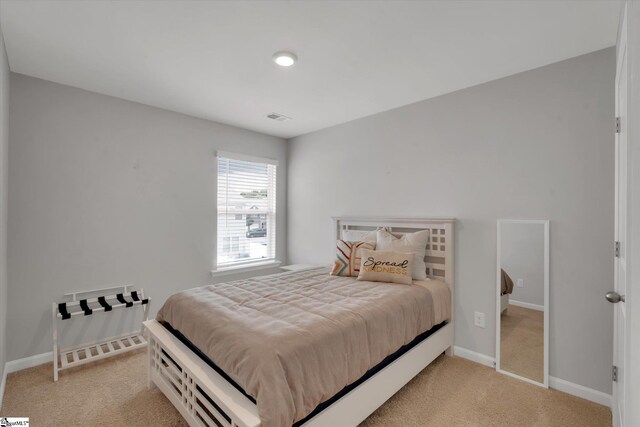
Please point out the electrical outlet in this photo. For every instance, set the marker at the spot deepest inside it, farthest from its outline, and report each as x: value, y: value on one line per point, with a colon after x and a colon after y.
x: 520, y: 283
x: 478, y: 319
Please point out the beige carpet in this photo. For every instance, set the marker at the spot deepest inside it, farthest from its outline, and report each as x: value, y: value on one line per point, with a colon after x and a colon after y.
x: 522, y: 342
x: 450, y: 392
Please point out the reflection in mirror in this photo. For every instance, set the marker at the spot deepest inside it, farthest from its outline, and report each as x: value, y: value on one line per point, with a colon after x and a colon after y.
x: 522, y: 299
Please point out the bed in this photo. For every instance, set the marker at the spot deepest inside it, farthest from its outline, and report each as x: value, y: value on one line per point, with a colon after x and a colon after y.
x: 302, y: 348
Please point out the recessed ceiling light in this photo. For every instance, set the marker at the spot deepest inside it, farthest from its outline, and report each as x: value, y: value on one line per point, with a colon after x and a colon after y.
x: 285, y: 59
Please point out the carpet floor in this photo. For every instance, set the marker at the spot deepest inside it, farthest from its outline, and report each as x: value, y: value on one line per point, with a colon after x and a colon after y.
x: 522, y: 342
x: 449, y: 392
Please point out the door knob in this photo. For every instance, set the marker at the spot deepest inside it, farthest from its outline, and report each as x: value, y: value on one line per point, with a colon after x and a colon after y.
x: 614, y: 297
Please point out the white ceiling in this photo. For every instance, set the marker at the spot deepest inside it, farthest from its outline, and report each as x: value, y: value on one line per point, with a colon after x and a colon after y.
x: 356, y: 58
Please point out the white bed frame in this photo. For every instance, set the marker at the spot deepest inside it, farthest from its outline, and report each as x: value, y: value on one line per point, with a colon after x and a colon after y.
x: 504, y: 302
x: 205, y: 398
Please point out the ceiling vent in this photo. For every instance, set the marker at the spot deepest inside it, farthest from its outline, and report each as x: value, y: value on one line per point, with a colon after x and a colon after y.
x: 278, y: 117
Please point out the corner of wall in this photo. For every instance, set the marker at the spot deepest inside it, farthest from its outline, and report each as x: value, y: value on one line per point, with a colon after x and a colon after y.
x: 4, y: 142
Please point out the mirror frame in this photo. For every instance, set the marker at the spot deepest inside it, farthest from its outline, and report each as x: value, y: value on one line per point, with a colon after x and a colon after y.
x: 545, y: 223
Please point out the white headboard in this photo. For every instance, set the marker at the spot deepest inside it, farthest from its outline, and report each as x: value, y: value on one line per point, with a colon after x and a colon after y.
x: 439, y: 255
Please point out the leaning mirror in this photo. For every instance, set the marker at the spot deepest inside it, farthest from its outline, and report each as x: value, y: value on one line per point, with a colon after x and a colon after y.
x: 522, y: 300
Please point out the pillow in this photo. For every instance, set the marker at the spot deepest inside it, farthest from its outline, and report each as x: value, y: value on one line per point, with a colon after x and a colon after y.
x: 361, y: 235
x: 392, y: 267
x: 410, y: 242
x: 347, y: 261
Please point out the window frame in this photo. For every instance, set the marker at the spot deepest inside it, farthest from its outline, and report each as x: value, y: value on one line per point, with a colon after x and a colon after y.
x: 255, y: 264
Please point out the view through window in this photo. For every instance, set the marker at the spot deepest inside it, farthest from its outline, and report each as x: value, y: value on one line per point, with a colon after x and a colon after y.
x: 246, y: 211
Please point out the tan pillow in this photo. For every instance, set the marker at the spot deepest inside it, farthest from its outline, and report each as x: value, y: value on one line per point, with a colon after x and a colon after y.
x: 347, y: 261
x: 391, y: 267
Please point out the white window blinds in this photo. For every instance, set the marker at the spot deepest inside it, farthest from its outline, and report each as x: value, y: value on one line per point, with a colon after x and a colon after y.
x: 246, y: 210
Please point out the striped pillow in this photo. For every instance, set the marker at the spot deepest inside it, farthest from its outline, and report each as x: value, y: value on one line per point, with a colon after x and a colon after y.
x: 348, y: 257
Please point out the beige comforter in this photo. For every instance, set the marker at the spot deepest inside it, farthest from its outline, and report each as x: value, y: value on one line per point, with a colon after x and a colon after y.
x: 294, y: 340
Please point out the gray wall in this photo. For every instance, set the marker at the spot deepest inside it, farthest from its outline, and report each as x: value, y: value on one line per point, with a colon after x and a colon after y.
x: 522, y: 257
x: 104, y: 191
x: 4, y: 143
x: 534, y: 145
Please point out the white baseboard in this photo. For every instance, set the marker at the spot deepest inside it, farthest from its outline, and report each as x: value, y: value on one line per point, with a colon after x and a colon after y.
x: 20, y: 364
x: 580, y: 391
x: 555, y: 383
x: 28, y: 362
x: 527, y: 305
x: 474, y: 356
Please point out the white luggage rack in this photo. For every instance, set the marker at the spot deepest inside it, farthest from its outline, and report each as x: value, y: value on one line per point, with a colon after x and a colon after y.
x: 78, y: 305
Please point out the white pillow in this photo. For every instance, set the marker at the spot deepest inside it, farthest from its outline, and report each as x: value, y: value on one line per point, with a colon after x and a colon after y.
x: 361, y: 235
x: 410, y: 242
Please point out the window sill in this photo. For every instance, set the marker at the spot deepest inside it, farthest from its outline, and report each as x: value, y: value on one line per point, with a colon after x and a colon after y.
x: 245, y: 268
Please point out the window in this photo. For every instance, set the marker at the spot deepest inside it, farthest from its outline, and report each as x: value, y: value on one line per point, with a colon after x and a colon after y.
x: 246, y: 210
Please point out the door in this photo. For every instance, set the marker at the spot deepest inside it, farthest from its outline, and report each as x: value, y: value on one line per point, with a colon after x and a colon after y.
x: 621, y: 196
